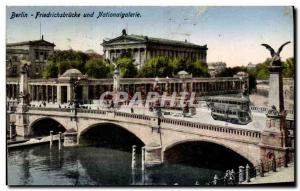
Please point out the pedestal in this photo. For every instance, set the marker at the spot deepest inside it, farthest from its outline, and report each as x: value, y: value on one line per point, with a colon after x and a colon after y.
x: 70, y: 139
x: 153, y: 155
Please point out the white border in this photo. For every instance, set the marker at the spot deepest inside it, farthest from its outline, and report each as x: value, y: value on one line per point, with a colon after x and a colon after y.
x: 5, y: 3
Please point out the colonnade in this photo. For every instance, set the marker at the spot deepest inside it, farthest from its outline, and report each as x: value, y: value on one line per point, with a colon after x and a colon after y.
x: 142, y: 54
x: 56, y: 92
x: 12, y: 91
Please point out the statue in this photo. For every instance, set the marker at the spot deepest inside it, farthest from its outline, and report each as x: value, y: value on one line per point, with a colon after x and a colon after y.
x: 24, y: 68
x: 23, y: 94
x: 116, y: 84
x: 75, y: 85
x: 275, y: 55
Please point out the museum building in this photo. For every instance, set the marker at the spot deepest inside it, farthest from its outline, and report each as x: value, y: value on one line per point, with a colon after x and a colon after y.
x: 34, y: 53
x: 142, y: 48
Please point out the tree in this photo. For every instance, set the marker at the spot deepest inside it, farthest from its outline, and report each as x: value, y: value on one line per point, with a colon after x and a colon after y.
x: 159, y: 66
x: 50, y: 70
x: 63, y: 60
x: 198, y: 69
x: 288, y: 68
x: 127, y: 67
x: 97, y: 68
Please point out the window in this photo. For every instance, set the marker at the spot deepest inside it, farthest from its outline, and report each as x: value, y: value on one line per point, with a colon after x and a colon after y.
x: 37, y: 57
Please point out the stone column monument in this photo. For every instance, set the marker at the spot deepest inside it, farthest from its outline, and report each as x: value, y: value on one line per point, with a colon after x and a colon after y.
x: 22, y: 108
x: 275, y: 80
x: 274, y: 135
x: 116, y: 85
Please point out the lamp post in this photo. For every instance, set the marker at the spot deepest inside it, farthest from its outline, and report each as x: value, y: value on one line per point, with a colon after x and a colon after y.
x: 75, y: 86
x: 156, y: 83
x: 167, y: 85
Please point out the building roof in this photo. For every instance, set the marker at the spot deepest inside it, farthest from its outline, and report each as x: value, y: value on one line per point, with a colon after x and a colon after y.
x: 16, y: 51
x: 34, y: 42
x: 182, y: 72
x: 71, y: 72
x: 153, y: 40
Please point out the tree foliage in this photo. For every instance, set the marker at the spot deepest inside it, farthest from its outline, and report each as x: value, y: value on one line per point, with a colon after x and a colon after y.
x: 162, y: 66
x: 50, y: 70
x: 98, y: 68
x: 63, y: 60
x: 289, y: 68
x: 127, y: 67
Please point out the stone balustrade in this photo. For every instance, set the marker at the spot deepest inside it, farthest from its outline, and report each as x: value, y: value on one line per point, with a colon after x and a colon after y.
x: 213, y: 130
x: 176, y: 124
x: 259, y: 109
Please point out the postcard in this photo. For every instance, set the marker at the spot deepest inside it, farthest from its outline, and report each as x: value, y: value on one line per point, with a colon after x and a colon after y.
x: 200, y: 96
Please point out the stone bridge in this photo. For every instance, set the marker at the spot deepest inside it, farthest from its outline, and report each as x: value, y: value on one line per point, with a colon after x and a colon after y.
x: 161, y: 134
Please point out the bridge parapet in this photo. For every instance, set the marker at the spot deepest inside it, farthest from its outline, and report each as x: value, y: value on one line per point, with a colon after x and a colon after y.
x: 259, y: 109
x: 289, y: 113
x: 50, y: 109
x: 243, y: 135
x: 90, y: 113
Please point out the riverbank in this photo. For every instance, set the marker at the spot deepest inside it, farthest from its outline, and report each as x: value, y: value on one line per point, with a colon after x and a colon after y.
x: 283, y: 175
x: 31, y: 142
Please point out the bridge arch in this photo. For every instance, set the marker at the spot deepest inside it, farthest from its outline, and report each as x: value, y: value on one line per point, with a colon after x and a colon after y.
x: 43, y: 125
x: 220, y: 143
x: 110, y: 131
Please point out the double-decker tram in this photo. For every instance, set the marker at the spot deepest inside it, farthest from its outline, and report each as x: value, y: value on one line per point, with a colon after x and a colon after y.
x: 231, y: 109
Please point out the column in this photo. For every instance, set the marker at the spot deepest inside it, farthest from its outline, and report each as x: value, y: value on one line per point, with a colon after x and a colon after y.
x: 58, y: 94
x: 85, y: 93
x: 94, y: 91
x: 9, y: 91
x: 13, y: 91
x: 52, y: 92
x: 47, y: 97
x: 33, y: 92
x: 36, y: 93
x: 69, y: 98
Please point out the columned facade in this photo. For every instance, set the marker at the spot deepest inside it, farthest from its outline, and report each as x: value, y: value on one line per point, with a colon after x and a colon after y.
x: 60, y: 90
x: 143, y: 48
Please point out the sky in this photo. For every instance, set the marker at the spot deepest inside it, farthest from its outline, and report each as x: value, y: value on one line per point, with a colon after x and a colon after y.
x: 232, y: 34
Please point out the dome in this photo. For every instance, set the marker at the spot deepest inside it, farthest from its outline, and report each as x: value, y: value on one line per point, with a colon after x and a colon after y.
x: 242, y: 74
x: 72, y: 72
x: 182, y: 72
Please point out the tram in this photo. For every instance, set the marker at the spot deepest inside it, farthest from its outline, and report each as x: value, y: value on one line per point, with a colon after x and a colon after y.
x: 231, y: 109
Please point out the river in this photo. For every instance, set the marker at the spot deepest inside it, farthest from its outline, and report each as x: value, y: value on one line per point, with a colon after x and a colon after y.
x: 91, y: 165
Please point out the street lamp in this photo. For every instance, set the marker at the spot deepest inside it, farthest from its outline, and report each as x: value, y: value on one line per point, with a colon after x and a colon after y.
x: 156, y: 84
x: 167, y: 85
x: 75, y: 86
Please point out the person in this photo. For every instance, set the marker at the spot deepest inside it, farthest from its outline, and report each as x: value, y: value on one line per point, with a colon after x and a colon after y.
x: 226, y: 177
x: 131, y: 109
x: 59, y: 106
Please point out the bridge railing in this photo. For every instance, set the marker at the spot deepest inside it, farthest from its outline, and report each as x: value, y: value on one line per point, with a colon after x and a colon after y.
x: 92, y: 111
x: 116, y: 115
x: 259, y: 109
x: 224, y: 130
x: 133, y: 116
x: 244, y: 173
x: 165, y: 122
x: 290, y: 112
x: 50, y: 109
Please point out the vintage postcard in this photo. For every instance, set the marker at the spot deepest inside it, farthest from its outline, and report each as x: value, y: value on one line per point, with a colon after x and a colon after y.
x: 150, y: 96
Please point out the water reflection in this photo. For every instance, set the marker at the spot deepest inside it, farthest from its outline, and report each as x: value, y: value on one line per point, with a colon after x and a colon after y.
x: 94, y: 166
